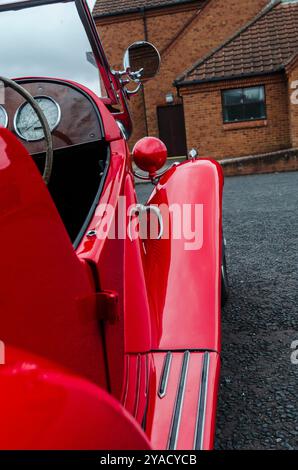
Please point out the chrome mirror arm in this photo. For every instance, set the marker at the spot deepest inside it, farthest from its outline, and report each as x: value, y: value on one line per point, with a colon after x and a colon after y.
x: 135, y: 91
x: 126, y: 76
x: 136, y: 76
x: 120, y: 73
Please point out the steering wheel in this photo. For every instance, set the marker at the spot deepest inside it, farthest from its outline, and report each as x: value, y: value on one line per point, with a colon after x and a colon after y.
x: 43, y: 120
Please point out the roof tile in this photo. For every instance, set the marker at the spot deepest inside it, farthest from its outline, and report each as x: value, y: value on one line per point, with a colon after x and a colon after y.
x: 264, y: 45
x: 116, y: 7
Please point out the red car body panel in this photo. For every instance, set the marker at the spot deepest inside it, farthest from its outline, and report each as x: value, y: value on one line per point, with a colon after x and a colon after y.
x: 119, y: 267
x: 44, y: 408
x: 47, y: 297
x: 61, y: 348
x: 184, y: 285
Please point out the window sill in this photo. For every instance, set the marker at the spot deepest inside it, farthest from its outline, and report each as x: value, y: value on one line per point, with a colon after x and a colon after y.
x: 232, y: 126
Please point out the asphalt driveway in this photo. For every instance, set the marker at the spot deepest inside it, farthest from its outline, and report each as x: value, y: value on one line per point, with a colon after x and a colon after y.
x: 258, y: 391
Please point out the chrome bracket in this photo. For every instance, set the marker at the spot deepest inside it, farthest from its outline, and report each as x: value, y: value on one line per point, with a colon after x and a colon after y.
x: 155, y: 178
x: 139, y: 209
x: 193, y: 154
x: 126, y: 76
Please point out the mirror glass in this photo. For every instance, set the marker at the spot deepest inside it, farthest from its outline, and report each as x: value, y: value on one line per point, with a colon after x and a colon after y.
x: 142, y: 57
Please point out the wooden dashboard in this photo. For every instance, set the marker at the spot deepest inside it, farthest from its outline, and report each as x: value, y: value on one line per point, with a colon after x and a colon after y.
x: 79, y: 123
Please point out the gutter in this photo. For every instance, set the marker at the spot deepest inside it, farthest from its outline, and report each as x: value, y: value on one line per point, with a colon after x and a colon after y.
x: 141, y: 9
x: 185, y: 83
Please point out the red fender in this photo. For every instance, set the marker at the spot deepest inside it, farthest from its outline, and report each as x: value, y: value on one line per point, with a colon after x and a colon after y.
x: 184, y: 278
x: 183, y: 273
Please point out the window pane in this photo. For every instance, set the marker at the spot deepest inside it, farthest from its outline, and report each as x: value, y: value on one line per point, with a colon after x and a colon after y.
x: 254, y: 94
x: 244, y: 104
x: 233, y: 113
x: 233, y: 96
x: 254, y: 111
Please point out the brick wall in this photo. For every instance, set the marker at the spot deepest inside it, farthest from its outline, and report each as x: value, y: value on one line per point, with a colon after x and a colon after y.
x: 203, y: 105
x: 293, y: 102
x: 118, y: 33
x: 199, y: 31
x: 215, y: 23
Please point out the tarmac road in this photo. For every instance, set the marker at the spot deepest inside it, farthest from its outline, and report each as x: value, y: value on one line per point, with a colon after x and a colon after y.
x: 258, y: 392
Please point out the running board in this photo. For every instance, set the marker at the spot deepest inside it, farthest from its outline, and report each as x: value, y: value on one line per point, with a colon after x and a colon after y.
x: 184, y: 412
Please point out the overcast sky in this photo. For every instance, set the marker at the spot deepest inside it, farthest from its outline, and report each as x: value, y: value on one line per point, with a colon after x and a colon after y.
x: 49, y: 41
x: 91, y: 3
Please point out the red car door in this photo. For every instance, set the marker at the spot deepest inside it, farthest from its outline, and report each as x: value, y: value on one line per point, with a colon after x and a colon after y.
x: 47, y: 295
x: 118, y: 263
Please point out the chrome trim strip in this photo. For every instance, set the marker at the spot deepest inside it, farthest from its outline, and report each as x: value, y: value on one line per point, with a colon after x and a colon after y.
x: 174, y: 431
x: 144, y: 420
x: 201, y: 414
x: 126, y: 380
x: 137, y: 398
x: 122, y: 129
x: 165, y: 375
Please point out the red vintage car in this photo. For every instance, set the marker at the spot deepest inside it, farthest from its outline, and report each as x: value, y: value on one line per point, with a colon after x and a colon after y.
x: 110, y: 339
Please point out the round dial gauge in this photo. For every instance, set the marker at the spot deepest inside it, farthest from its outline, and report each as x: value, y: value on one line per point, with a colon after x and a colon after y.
x: 3, y: 117
x: 27, y: 124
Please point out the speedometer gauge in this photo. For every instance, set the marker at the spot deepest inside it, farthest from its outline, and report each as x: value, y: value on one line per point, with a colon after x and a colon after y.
x: 3, y: 117
x: 27, y: 124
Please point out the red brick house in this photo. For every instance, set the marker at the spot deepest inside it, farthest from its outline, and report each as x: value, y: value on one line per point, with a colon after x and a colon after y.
x: 240, y: 62
x: 183, y: 31
x: 241, y: 95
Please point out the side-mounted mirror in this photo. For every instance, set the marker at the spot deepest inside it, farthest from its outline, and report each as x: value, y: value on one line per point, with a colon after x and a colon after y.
x: 142, y: 61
